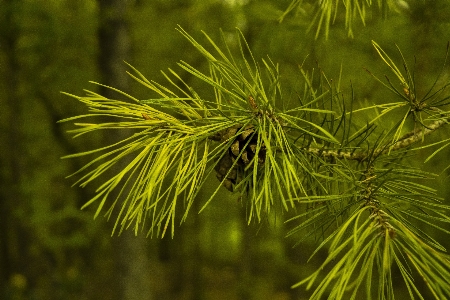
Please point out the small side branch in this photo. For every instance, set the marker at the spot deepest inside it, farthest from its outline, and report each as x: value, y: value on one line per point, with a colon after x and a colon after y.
x: 403, y: 142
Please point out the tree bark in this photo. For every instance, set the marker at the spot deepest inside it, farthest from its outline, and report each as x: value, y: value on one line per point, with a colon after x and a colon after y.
x: 12, y: 235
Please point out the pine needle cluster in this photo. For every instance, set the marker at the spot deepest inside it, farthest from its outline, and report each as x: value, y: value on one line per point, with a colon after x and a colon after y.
x: 349, y: 181
x: 325, y: 13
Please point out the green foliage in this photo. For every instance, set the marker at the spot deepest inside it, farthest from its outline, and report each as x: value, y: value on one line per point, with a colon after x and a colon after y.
x: 181, y: 145
x: 345, y: 172
x: 326, y: 12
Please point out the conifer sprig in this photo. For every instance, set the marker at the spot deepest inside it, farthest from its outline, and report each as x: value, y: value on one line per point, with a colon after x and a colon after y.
x: 324, y: 13
x: 348, y: 182
x: 181, y: 135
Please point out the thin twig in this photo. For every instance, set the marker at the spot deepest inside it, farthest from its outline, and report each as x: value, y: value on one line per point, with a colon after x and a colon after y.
x: 403, y: 142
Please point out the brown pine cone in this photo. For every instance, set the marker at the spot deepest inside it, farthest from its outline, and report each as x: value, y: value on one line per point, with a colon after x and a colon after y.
x: 248, y: 139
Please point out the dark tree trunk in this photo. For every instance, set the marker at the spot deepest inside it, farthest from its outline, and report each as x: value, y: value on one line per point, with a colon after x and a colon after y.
x: 245, y: 261
x: 11, y: 233
x: 132, y: 273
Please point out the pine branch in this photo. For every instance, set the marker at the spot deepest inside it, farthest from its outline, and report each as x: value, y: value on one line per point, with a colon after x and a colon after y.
x: 324, y: 13
x: 403, y: 142
x: 364, y: 204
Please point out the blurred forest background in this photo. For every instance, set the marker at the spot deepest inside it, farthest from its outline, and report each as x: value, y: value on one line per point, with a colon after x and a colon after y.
x: 49, y: 249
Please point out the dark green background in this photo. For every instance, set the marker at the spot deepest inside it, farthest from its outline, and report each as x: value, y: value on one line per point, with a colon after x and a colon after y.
x: 52, y: 250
